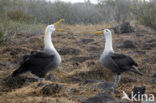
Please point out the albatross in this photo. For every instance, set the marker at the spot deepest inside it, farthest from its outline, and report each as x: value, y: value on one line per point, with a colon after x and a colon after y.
x: 41, y: 62
x: 117, y: 63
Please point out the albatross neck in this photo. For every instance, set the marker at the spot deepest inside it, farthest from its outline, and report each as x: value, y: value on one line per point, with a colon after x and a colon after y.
x: 48, y: 41
x: 108, y: 43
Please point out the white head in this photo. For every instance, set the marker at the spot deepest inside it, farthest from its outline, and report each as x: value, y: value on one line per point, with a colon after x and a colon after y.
x: 50, y: 28
x: 107, y: 32
x: 108, y: 36
x: 48, y: 32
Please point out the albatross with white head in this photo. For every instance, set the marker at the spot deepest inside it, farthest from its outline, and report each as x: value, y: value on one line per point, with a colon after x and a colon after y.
x: 41, y: 62
x: 116, y: 62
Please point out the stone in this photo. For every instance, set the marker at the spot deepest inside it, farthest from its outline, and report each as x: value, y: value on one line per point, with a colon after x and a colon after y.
x: 107, y: 85
x: 79, y: 59
x: 126, y: 44
x: 123, y: 28
x: 154, y: 80
x: 86, y: 41
x: 92, y: 81
x: 141, y: 52
x: 128, y: 80
x: 19, y: 81
x: 76, y: 79
x: 68, y: 51
x: 94, y: 49
x: 151, y: 41
x: 51, y: 89
x: 154, y: 76
x: 52, y: 77
x: 139, y: 90
x: 100, y: 98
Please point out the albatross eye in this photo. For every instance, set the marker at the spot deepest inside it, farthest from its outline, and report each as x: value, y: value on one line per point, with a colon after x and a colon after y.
x: 52, y: 26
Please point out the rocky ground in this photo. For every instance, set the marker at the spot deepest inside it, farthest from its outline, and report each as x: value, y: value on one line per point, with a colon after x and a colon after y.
x: 80, y: 77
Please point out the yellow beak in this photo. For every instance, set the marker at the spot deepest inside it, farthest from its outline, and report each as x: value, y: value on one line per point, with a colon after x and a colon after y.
x: 58, y: 22
x: 59, y: 30
x: 99, y: 32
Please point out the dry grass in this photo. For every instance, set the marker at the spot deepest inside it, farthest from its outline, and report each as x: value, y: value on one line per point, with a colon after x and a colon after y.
x: 12, y: 52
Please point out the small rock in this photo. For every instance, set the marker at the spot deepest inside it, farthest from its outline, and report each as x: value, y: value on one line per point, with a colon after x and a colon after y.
x: 123, y: 28
x: 51, y: 89
x: 52, y: 77
x: 147, y: 60
x: 91, y: 63
x: 79, y: 59
x: 94, y: 49
x: 151, y: 41
x: 154, y: 76
x: 138, y: 91
x: 73, y: 90
x: 128, y: 80
x: 154, y: 80
x: 86, y: 41
x: 126, y: 44
x: 107, y: 85
x: 100, y: 98
x: 7, y: 64
x: 75, y: 64
x: 141, y: 52
x: 16, y: 51
x: 149, y: 46
x: 40, y: 85
x: 76, y: 79
x: 139, y: 35
x: 69, y: 51
x: 79, y: 98
x: 19, y: 81
x: 92, y: 81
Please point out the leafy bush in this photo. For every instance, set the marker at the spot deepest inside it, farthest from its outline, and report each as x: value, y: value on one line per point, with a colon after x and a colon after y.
x: 115, y: 10
x: 18, y: 15
x: 9, y: 29
x: 1, y: 37
x: 145, y: 13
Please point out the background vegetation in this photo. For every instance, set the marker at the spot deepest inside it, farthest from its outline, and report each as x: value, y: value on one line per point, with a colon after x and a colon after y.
x: 27, y: 16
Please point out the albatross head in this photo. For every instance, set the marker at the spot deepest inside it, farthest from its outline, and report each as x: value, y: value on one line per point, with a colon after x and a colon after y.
x: 106, y: 32
x: 108, y: 35
x: 51, y: 28
x: 48, y: 32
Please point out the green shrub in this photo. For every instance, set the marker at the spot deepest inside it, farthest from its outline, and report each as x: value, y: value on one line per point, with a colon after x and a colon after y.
x: 9, y: 29
x: 1, y: 37
x: 145, y: 13
x: 18, y: 15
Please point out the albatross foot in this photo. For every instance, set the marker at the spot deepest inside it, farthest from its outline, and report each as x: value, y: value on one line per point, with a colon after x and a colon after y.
x: 114, y: 87
x: 41, y: 82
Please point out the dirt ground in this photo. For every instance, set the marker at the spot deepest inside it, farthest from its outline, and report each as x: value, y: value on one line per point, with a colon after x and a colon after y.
x: 74, y: 78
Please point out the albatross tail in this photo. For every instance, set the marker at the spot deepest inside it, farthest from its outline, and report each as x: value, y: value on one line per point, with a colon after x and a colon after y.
x: 133, y: 69
x: 18, y: 71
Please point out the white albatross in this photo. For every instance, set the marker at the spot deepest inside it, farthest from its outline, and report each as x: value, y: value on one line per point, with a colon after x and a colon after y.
x: 117, y: 63
x: 41, y: 62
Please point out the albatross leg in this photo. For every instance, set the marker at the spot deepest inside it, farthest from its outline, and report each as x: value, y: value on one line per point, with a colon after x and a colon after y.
x: 116, y: 77
x: 115, y: 83
x: 119, y: 79
x: 41, y: 82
